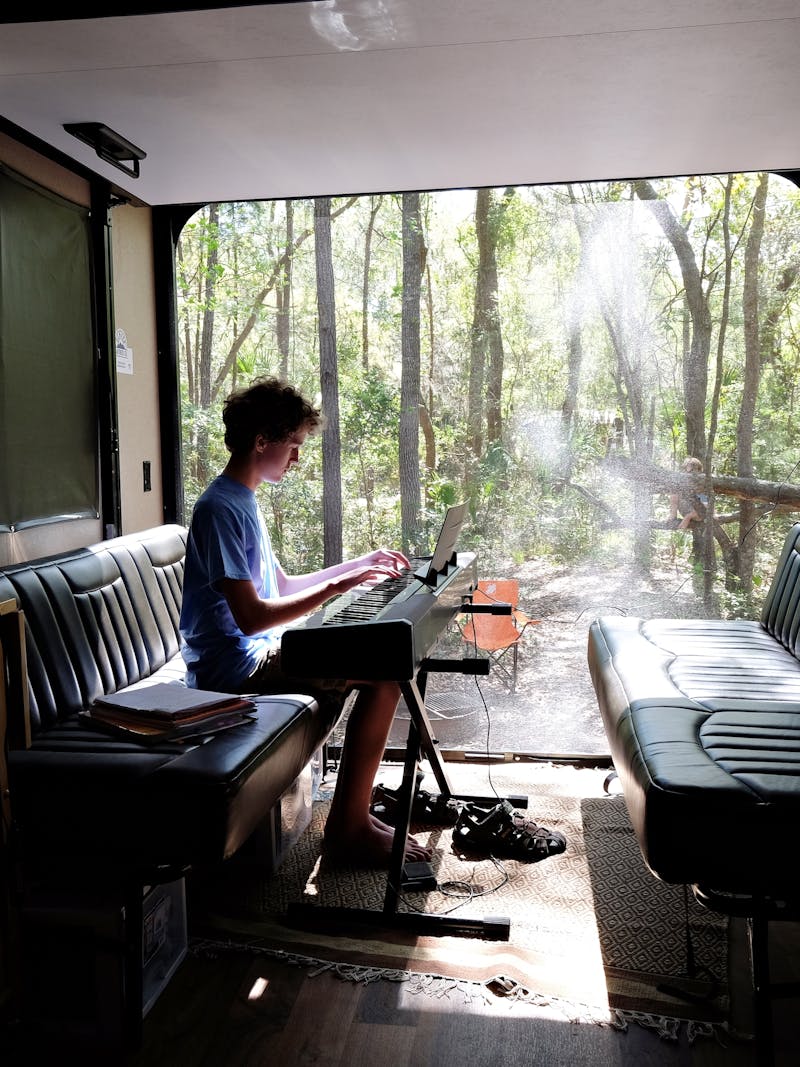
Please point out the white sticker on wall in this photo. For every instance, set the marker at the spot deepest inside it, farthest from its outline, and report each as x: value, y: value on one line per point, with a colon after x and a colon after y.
x: 124, y: 354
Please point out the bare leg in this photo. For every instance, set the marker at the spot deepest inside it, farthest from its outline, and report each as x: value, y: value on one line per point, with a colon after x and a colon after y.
x: 351, y: 833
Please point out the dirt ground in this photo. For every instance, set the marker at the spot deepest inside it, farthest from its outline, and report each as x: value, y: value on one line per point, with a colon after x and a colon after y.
x: 553, y: 710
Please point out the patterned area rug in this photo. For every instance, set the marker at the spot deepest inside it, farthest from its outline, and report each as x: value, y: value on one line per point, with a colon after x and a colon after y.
x: 592, y: 930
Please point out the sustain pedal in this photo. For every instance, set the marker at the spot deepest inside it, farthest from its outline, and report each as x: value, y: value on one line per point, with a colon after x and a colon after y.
x: 418, y: 875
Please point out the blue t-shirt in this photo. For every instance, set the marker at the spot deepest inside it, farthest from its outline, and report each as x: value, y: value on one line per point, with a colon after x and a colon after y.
x: 227, y: 539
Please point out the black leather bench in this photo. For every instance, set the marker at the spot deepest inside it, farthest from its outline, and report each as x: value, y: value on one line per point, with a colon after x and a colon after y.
x: 703, y: 722
x: 100, y: 620
x: 91, y: 809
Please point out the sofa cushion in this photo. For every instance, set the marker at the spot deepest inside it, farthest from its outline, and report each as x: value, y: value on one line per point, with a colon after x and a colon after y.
x: 81, y: 795
x: 703, y: 722
x: 97, y: 619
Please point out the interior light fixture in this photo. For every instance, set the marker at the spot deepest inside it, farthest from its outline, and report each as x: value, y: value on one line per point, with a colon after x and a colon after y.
x: 109, y: 145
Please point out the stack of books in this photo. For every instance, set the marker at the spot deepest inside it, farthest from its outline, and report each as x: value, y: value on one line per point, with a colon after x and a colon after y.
x: 166, y: 712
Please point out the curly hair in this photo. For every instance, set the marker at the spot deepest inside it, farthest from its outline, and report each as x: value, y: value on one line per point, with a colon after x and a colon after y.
x: 270, y: 407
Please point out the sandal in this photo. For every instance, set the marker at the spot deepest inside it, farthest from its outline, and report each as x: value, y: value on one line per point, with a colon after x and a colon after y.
x: 426, y: 807
x: 502, y: 831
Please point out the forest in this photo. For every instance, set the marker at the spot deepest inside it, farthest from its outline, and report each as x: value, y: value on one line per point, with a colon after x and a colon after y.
x: 552, y: 355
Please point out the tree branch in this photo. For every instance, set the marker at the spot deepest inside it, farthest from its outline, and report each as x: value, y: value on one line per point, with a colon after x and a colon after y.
x: 777, y: 494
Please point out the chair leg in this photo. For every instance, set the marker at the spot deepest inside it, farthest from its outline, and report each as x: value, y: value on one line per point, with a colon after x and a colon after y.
x: 758, y: 929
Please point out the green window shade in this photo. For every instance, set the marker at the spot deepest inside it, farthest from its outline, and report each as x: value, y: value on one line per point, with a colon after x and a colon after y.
x: 48, y: 404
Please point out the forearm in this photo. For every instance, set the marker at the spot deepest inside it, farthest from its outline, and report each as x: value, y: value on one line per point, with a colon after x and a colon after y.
x: 289, y: 585
x: 383, y: 560
x: 299, y: 595
x: 254, y: 614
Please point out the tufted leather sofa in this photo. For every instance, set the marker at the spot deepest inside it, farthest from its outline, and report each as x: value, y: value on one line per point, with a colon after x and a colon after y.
x: 703, y: 722
x: 98, y: 620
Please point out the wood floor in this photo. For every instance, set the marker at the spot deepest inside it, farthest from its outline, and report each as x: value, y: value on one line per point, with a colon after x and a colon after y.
x: 242, y: 1010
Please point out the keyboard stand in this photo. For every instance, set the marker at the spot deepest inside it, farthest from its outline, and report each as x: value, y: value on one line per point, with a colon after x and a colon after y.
x: 421, y: 743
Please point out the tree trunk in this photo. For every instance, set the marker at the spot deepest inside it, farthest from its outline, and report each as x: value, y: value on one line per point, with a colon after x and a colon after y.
x: 487, y: 343
x: 575, y: 349
x: 231, y: 224
x: 188, y: 347
x: 374, y: 208
x: 695, y: 368
x: 752, y: 376
x: 283, y: 294
x: 429, y: 437
x: 206, y: 347
x: 494, y: 391
x: 329, y: 384
x: 427, y: 410
x: 410, y: 373
x: 708, y: 553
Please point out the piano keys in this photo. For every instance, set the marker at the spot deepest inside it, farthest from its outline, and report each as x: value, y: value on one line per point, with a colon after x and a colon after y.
x: 383, y: 633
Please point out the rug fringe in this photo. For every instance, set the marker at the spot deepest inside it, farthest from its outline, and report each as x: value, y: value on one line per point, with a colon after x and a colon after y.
x: 668, y: 1028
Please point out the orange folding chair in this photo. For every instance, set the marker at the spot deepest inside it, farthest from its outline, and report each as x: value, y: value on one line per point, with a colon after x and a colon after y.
x: 497, y: 635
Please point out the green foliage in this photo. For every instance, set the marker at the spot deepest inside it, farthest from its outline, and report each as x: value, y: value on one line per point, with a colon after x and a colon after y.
x: 586, y: 275
x: 370, y: 410
x: 292, y: 510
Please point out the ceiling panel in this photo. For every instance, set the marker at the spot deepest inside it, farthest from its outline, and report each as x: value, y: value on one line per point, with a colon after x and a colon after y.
x: 347, y: 96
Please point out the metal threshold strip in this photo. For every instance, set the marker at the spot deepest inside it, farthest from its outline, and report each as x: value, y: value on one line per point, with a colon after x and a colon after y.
x: 452, y: 755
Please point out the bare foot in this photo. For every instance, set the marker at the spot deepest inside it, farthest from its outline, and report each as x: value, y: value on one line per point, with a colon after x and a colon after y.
x: 390, y: 830
x: 369, y: 846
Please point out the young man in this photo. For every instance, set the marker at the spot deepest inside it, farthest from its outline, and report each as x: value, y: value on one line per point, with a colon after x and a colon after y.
x: 237, y: 599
